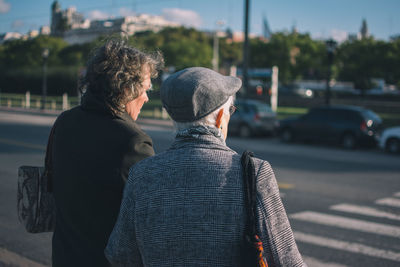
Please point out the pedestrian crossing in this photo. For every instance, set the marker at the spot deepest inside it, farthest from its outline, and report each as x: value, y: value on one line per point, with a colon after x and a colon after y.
x: 362, y: 231
x: 394, y: 202
x: 368, y: 211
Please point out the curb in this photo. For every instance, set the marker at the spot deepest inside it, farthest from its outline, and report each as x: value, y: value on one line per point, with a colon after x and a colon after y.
x: 51, y: 113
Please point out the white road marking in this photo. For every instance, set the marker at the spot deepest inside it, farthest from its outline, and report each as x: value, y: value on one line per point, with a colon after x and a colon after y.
x: 311, y: 262
x: 394, y: 202
x: 363, y: 210
x: 9, y: 258
x: 397, y: 194
x: 347, y: 246
x: 346, y: 223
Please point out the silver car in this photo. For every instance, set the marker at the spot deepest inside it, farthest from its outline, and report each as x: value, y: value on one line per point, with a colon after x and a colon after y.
x: 253, y: 117
x: 390, y: 140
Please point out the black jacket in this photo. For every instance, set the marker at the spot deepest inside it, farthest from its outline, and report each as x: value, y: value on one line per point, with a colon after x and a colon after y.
x: 92, y: 153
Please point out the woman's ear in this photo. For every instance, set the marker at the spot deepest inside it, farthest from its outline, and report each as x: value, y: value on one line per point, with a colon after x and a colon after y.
x: 218, y: 121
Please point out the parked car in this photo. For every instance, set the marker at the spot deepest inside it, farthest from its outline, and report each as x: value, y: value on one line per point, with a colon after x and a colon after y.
x: 253, y: 117
x: 348, y: 126
x: 390, y: 140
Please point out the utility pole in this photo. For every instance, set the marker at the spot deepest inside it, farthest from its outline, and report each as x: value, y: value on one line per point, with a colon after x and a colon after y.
x: 330, y: 48
x: 45, y: 55
x: 246, y: 47
x: 215, y: 60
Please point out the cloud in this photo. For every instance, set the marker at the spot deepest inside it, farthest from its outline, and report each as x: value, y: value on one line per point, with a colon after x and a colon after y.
x: 4, y: 6
x: 339, y: 35
x: 182, y: 16
x: 125, y: 12
x: 17, y: 24
x: 97, y: 14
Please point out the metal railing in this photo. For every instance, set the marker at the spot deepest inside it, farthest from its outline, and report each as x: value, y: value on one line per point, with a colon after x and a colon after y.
x: 64, y: 102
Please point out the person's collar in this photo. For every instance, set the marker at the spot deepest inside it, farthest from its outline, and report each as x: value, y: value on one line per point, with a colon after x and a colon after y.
x: 203, y: 136
x: 92, y: 103
x: 197, y: 131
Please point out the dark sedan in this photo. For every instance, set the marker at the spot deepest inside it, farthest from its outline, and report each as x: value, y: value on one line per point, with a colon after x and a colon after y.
x: 253, y: 117
x: 348, y: 126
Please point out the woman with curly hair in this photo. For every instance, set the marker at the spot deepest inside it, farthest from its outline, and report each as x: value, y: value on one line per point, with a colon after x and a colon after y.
x: 94, y: 145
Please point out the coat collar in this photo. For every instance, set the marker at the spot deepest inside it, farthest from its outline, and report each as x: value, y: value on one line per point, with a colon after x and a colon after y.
x: 200, y: 136
x: 90, y: 102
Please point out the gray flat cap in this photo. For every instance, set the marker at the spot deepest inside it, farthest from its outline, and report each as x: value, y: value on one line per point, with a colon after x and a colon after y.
x: 193, y: 93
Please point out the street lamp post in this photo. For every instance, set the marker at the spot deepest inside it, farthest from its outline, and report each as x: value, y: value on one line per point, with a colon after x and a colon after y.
x: 215, y: 60
x: 330, y: 48
x: 246, y: 47
x: 45, y: 55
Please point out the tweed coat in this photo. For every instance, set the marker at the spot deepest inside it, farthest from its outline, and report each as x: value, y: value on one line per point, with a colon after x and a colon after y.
x: 92, y: 154
x: 185, y: 207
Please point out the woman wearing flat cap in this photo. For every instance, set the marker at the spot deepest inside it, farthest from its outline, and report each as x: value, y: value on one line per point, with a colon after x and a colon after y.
x: 185, y: 206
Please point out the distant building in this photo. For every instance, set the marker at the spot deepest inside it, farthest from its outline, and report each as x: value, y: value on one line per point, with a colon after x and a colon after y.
x: 72, y: 26
x: 266, y: 30
x: 362, y: 34
x: 352, y: 37
x: 238, y: 37
x: 364, y: 30
x: 33, y: 34
x: 64, y: 20
x: 44, y: 30
x: 10, y: 36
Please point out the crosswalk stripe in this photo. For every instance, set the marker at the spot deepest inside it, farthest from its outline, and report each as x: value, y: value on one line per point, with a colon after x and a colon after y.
x: 394, y: 202
x: 346, y: 223
x: 346, y: 246
x: 363, y: 210
x: 397, y: 194
x: 312, y: 262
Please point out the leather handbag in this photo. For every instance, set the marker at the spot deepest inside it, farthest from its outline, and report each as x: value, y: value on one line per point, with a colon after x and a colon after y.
x: 35, y: 202
x: 253, y: 251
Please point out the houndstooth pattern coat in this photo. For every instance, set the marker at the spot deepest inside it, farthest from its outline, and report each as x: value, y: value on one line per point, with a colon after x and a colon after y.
x: 185, y: 207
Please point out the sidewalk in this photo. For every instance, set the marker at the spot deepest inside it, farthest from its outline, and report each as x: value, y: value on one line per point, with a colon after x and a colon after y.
x: 54, y: 113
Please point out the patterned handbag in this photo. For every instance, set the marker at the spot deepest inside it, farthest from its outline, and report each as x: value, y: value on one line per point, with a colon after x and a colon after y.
x: 253, y: 251
x: 35, y: 202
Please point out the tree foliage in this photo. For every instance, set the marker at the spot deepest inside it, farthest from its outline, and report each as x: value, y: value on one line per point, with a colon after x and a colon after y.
x: 296, y: 55
x: 182, y: 47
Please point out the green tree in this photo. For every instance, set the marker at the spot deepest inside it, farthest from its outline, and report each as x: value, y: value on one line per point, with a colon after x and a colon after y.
x: 362, y: 60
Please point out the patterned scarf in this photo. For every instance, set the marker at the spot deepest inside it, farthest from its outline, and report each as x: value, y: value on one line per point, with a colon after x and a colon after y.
x: 197, y: 131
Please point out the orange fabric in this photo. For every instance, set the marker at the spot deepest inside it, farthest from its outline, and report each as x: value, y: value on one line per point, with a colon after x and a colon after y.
x: 260, y: 259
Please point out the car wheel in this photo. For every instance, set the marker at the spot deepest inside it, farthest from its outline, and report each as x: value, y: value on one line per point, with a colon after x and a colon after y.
x: 244, y: 131
x: 287, y: 135
x: 348, y: 141
x: 393, y: 145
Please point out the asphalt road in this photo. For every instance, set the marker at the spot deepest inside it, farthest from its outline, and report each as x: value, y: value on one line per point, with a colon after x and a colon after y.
x: 344, y: 206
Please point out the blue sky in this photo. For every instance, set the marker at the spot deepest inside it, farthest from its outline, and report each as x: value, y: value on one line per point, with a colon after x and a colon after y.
x: 320, y: 18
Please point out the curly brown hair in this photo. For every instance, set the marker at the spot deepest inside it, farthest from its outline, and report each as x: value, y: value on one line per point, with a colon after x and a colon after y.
x: 115, y: 73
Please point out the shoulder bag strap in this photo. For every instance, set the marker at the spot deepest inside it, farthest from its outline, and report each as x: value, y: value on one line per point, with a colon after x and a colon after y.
x: 48, y: 162
x: 256, y: 257
x: 249, y: 181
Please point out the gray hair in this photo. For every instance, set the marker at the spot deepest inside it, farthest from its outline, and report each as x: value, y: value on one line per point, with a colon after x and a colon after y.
x: 115, y: 73
x: 209, y: 120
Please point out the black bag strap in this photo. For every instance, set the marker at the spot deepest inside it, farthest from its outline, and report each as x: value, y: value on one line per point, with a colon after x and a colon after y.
x: 249, y: 181
x: 48, y: 161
